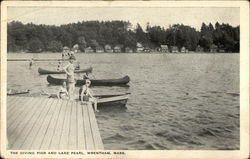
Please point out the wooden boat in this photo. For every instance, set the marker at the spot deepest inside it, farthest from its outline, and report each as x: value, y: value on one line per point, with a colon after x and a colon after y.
x: 44, y: 71
x: 16, y: 92
x: 112, y: 100
x: 101, y: 82
x: 117, y: 100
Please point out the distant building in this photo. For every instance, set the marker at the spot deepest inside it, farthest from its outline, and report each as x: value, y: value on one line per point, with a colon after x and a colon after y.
x: 164, y: 48
x: 75, y: 48
x: 108, y: 48
x: 183, y: 50
x: 139, y: 47
x: 199, y: 49
x: 213, y: 48
x: 89, y: 50
x: 221, y: 51
x: 174, y: 49
x: 146, y: 49
x: 99, y: 49
x: 118, y: 49
x: 128, y: 50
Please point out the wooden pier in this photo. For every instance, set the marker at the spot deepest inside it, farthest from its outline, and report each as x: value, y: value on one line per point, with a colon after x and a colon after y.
x: 51, y: 124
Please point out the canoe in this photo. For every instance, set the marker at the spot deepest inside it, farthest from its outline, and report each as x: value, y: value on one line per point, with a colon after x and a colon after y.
x: 44, y: 71
x: 16, y: 92
x: 102, y: 82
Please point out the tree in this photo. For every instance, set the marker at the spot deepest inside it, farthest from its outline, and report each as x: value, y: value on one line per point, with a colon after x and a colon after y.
x: 82, y: 43
x: 55, y: 46
x: 35, y: 46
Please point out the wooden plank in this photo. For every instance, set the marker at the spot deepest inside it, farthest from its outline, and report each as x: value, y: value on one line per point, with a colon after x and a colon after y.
x: 22, y: 121
x: 66, y: 126
x: 20, y: 108
x: 94, y: 127
x: 37, y: 128
x: 31, y: 127
x: 58, y: 130
x: 52, y: 125
x: 72, y: 143
x: 11, y: 101
x: 80, y: 128
x: 13, y: 105
x: 88, y: 133
x: 11, y: 128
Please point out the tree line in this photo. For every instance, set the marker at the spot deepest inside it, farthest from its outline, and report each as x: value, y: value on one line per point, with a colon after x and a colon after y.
x: 38, y: 38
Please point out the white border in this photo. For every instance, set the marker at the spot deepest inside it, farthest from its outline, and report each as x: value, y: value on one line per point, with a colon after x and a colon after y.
x: 244, y: 77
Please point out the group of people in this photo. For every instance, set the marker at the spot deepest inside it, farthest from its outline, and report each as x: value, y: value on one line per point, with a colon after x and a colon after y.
x: 68, y: 86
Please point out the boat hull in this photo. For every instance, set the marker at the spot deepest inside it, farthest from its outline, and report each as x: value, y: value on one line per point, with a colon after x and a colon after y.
x: 44, y: 71
x: 103, y: 82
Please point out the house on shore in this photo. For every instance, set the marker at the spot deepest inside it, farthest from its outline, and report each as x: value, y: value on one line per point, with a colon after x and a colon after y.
x: 118, y: 49
x: 199, y: 49
x: 89, y: 50
x: 164, y: 48
x: 213, y: 48
x: 174, y: 49
x: 183, y: 50
x: 99, y: 49
x: 76, y: 49
x: 128, y: 50
x: 139, y: 47
x: 146, y: 49
x: 108, y: 48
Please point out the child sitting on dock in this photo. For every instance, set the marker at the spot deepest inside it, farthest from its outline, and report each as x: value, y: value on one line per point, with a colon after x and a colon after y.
x: 85, y: 95
x: 61, y: 94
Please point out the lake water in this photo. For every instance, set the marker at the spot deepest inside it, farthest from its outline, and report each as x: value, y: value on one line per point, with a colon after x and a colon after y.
x: 178, y: 101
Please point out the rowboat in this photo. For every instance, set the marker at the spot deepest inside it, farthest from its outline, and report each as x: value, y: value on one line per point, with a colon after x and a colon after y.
x: 117, y: 100
x: 16, y: 92
x: 112, y: 100
x: 102, y: 82
x: 44, y: 71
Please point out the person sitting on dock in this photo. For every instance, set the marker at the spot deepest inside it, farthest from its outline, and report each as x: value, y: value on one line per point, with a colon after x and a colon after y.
x: 86, y: 95
x: 63, y: 93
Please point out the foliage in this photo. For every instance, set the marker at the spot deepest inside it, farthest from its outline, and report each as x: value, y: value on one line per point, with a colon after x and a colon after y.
x: 36, y: 38
x: 55, y: 46
x: 35, y: 46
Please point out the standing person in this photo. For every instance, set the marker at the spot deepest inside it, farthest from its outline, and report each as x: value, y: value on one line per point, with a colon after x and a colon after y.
x: 31, y: 62
x: 69, y: 69
x: 87, y: 96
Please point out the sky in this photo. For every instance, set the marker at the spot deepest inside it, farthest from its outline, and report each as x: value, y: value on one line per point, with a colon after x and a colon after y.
x: 161, y: 16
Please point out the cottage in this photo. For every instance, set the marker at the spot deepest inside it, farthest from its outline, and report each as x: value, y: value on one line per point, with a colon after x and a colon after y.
x: 199, y: 49
x: 128, y: 49
x: 118, y: 49
x: 75, y: 48
x: 108, y: 48
x: 183, y: 50
x: 89, y: 50
x: 139, y: 47
x: 213, y: 48
x: 164, y: 48
x: 174, y: 49
x: 99, y: 49
x: 146, y: 49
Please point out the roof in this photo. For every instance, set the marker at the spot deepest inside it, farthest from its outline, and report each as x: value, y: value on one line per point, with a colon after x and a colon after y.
x: 164, y: 46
